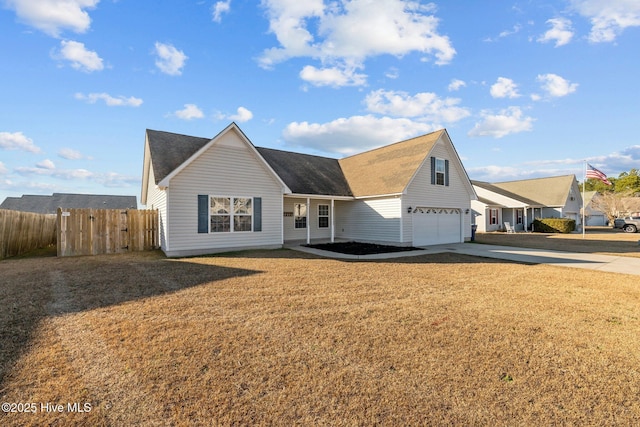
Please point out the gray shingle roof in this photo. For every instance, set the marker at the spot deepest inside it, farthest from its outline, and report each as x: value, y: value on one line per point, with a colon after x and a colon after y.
x: 307, y: 174
x: 50, y: 204
x: 170, y: 150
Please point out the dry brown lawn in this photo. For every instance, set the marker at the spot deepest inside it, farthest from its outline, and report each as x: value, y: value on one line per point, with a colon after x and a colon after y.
x: 597, y: 240
x: 285, y: 338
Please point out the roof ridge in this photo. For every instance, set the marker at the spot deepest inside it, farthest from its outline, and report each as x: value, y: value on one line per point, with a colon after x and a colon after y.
x: 533, y: 179
x: 394, y: 143
x: 297, y: 153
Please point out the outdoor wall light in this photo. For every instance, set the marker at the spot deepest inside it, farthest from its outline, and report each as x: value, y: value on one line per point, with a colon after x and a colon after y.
x: 409, y: 209
x: 466, y: 211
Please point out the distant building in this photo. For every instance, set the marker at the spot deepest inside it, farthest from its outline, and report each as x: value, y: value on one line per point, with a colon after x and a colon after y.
x: 50, y: 204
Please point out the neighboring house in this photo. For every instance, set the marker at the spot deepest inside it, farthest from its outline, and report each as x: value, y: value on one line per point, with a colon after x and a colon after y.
x: 225, y: 194
x: 520, y: 202
x: 593, y: 216
x: 50, y: 204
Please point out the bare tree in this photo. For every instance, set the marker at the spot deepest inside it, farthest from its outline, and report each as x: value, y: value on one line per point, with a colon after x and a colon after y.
x: 615, y: 205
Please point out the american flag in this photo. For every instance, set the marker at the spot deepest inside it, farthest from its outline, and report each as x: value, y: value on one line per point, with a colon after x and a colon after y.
x: 597, y: 174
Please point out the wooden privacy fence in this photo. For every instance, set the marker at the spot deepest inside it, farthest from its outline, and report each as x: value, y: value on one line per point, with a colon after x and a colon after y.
x: 21, y: 232
x: 106, y: 231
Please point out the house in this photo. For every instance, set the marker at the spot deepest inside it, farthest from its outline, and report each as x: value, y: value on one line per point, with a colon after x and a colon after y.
x: 223, y: 193
x: 520, y: 202
x: 50, y: 204
x: 593, y: 215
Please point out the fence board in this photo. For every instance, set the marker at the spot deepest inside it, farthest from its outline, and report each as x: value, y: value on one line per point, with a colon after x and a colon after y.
x: 21, y: 232
x: 106, y: 231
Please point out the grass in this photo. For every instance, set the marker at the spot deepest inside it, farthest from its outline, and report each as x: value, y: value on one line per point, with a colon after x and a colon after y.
x: 282, y: 337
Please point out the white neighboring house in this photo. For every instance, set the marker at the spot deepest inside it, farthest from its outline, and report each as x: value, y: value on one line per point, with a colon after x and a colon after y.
x: 520, y: 202
x: 225, y: 194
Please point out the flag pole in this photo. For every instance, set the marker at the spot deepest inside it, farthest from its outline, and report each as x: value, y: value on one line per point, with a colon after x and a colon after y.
x: 584, y: 184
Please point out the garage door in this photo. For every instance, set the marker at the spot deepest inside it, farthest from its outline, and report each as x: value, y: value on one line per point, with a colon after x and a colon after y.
x: 436, y: 226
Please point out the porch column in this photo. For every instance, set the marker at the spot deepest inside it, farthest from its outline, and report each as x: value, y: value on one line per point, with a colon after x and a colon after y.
x: 526, y: 222
x: 308, y: 222
x: 333, y: 231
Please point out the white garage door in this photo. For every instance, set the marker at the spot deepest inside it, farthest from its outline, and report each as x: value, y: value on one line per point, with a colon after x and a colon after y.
x: 436, y: 226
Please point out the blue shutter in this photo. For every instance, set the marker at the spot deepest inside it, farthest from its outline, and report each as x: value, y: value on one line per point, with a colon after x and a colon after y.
x: 257, y: 214
x: 433, y: 171
x: 203, y: 213
x: 446, y: 173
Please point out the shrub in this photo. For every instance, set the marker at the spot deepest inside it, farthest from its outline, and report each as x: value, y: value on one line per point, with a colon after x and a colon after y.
x: 554, y: 225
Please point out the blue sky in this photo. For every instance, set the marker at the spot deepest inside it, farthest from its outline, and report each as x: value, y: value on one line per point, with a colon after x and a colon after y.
x: 524, y: 88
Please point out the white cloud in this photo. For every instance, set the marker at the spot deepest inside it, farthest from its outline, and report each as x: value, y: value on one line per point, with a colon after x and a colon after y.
x: 560, y: 31
x: 425, y: 106
x: 189, y: 112
x: 68, y: 174
x: 170, y: 60
x: 46, y: 164
x: 17, y: 141
x: 352, y: 135
x: 334, y: 76
x: 70, y: 154
x: 455, y: 85
x: 608, y: 17
x: 242, y: 115
x: 80, y: 58
x: 556, y: 86
x: 342, y: 35
x: 393, y: 73
x: 3, y: 169
x: 52, y: 16
x: 109, y: 100
x: 219, y: 9
x: 504, y: 88
x: 505, y: 123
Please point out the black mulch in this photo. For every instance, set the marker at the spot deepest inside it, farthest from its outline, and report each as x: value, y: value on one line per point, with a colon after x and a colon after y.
x: 357, y: 248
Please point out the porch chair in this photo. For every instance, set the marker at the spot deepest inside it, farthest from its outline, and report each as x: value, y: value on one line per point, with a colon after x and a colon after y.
x: 509, y: 227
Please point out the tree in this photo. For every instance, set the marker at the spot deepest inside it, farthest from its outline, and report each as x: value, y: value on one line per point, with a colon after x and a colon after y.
x: 628, y: 182
x: 610, y: 203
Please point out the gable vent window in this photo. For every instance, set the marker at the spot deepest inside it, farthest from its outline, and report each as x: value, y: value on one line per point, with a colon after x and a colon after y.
x: 439, y: 171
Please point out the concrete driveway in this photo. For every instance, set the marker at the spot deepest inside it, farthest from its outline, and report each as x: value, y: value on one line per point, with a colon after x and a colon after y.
x: 615, y: 264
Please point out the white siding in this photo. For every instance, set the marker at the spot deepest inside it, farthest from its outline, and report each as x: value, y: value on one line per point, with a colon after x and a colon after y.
x: 422, y: 193
x: 157, y: 199
x: 228, y: 168
x: 373, y: 220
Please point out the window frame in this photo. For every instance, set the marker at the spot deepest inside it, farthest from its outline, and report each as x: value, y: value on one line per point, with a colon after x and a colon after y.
x: 232, y: 223
x: 441, y: 171
x: 493, y: 219
x: 326, y: 216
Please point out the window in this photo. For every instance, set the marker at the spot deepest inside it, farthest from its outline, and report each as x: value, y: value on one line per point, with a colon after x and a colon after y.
x: 222, y: 214
x: 300, y: 215
x: 440, y: 171
x: 323, y: 216
x: 493, y: 216
x: 242, y: 212
x: 519, y: 215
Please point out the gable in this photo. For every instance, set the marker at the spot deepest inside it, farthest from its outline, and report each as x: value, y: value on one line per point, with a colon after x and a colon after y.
x: 171, y: 153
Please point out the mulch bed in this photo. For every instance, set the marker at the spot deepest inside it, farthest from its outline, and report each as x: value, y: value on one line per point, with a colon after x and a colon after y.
x: 358, y: 248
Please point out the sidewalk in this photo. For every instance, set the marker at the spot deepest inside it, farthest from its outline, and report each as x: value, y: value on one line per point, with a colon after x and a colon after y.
x: 609, y: 263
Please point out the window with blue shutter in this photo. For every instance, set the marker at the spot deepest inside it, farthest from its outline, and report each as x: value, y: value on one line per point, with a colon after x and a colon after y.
x: 257, y: 214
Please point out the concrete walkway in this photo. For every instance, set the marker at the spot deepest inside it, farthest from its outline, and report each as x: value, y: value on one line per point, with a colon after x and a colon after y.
x: 615, y: 264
